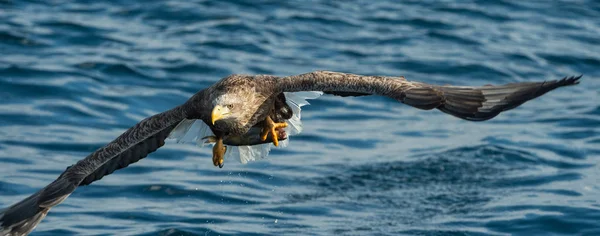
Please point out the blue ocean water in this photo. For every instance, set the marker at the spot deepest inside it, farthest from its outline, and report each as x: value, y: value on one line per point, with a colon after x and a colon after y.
x: 75, y: 74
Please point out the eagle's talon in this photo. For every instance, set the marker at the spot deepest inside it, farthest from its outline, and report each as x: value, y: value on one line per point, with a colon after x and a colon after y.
x: 271, y: 128
x: 218, y: 151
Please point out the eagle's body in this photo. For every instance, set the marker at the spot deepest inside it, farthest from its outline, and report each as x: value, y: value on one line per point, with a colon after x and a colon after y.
x: 254, y: 95
x: 239, y: 103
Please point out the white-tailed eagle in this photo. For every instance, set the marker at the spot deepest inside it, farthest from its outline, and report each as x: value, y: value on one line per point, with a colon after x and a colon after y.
x: 248, y: 112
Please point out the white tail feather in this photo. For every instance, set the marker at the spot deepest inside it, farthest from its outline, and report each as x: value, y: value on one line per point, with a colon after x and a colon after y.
x: 296, y: 101
x: 192, y: 131
x: 251, y: 153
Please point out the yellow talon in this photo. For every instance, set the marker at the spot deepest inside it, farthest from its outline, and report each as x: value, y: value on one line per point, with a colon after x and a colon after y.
x: 219, y: 152
x: 271, y: 128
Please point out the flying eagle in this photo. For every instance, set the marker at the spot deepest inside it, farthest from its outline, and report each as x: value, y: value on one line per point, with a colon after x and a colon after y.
x: 248, y: 112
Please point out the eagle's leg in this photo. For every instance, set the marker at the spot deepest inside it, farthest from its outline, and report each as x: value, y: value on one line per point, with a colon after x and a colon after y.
x: 271, y: 127
x: 218, y: 152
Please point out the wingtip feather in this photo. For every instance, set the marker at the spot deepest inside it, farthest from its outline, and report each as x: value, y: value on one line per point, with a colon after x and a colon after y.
x: 570, y: 80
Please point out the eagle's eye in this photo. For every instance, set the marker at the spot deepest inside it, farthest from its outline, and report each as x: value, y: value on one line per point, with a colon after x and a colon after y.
x: 230, y: 106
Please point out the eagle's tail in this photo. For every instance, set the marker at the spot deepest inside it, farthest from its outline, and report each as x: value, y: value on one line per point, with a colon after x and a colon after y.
x: 22, y: 217
x: 483, y: 103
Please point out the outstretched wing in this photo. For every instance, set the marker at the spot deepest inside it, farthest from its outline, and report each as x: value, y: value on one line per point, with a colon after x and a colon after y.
x: 133, y: 145
x: 469, y: 103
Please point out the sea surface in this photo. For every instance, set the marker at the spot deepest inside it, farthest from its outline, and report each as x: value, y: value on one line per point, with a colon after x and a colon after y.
x: 75, y: 74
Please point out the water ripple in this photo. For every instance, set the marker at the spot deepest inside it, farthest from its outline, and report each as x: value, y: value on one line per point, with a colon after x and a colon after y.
x: 75, y: 74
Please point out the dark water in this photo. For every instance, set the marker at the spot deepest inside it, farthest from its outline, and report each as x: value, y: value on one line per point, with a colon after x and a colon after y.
x: 74, y: 75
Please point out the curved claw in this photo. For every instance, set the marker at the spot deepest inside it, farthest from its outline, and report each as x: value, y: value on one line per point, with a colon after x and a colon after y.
x: 271, y: 128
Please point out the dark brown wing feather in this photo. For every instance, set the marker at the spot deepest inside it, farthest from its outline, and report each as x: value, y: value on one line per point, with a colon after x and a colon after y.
x: 470, y: 103
x: 133, y: 145
x: 346, y: 94
x: 482, y: 103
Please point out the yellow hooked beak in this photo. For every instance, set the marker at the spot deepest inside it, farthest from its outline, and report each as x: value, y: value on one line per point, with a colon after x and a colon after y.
x: 218, y: 113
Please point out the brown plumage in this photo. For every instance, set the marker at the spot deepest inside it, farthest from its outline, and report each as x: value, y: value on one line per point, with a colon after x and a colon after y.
x: 469, y: 103
x: 249, y: 100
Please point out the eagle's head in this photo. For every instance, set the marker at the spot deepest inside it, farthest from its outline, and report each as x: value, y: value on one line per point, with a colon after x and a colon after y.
x: 234, y: 103
x: 227, y: 113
